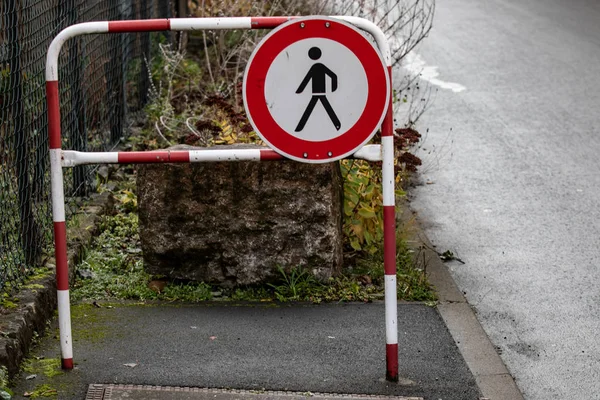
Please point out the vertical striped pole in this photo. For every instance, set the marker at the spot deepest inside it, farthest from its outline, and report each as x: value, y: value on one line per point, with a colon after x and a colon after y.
x: 389, y: 206
x: 57, y: 188
x: 60, y: 229
x: 389, y: 242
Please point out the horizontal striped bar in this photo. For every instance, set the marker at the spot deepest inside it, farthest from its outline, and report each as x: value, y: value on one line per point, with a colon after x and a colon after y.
x: 149, y: 157
x: 142, y: 25
x: 268, y: 22
x: 72, y: 158
x: 192, y: 24
x: 269, y: 155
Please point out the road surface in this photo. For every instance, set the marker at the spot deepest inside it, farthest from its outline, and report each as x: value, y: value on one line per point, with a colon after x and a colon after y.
x: 511, y: 179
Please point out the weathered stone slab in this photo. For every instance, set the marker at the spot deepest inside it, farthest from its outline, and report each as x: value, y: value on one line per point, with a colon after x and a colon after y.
x: 233, y: 223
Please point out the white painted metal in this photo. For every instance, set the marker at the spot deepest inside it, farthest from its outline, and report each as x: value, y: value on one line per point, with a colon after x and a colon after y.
x: 56, y: 185
x: 370, y: 152
x: 387, y: 144
x: 72, y: 158
x: 192, y: 24
x: 375, y: 31
x: 391, y: 310
x: 62, y: 37
x: 224, y: 155
x: 64, y: 324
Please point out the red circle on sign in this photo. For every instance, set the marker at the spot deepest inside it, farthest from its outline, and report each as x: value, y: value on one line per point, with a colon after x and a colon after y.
x: 279, y: 139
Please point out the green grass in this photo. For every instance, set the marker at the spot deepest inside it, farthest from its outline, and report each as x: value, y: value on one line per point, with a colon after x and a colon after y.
x: 115, y: 258
x: 117, y: 265
x: 116, y: 261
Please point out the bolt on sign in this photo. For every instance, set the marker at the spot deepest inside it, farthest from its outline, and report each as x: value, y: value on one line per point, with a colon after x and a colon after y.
x: 316, y: 89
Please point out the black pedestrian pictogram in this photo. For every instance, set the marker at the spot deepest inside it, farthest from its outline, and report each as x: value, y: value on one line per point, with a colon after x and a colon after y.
x: 318, y: 73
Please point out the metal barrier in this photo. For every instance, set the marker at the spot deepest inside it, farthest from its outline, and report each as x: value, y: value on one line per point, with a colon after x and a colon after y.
x: 66, y: 158
x: 95, y: 99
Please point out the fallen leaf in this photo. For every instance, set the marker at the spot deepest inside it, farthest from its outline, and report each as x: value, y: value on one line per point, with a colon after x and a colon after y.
x: 157, y: 286
x: 365, y: 280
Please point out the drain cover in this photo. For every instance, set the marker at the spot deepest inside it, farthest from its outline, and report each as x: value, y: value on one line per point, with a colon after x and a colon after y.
x: 138, y: 392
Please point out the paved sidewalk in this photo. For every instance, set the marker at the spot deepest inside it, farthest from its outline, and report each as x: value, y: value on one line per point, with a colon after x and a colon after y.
x: 329, y: 348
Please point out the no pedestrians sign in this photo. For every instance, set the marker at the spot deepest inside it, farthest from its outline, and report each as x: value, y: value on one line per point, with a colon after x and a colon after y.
x: 316, y: 89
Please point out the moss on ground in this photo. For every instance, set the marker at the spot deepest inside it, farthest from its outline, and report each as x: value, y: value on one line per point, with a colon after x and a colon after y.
x: 88, y: 325
x: 50, y: 367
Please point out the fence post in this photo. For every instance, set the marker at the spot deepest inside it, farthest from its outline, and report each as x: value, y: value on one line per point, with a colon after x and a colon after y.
x: 182, y: 12
x: 78, y: 134
x: 144, y: 78
x: 123, y: 49
x: 114, y: 78
x: 30, y: 236
x: 166, y: 13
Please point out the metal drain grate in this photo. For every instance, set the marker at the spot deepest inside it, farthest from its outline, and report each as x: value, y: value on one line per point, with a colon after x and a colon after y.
x: 143, y: 392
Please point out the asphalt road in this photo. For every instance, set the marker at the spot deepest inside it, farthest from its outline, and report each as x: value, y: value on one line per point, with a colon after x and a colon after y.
x: 329, y: 348
x: 511, y: 179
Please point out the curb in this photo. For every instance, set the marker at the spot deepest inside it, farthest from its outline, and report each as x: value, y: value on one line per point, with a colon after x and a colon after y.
x: 37, y: 301
x: 491, y: 375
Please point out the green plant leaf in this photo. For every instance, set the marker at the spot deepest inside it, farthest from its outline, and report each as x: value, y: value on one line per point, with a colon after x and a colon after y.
x: 366, y: 212
x: 355, y: 245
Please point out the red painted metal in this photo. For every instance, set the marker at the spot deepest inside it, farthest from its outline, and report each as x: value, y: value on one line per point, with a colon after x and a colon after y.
x: 179, y: 156
x: 67, y: 363
x: 389, y: 243
x: 268, y: 22
x: 146, y: 157
x: 53, y: 114
x: 267, y: 155
x: 387, y: 128
x: 391, y: 358
x: 60, y: 247
x: 139, y: 25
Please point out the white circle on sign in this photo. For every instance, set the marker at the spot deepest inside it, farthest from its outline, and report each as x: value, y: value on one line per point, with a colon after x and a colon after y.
x: 288, y: 72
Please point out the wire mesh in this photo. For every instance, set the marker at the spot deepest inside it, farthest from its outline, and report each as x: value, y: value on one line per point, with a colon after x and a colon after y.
x: 102, y: 81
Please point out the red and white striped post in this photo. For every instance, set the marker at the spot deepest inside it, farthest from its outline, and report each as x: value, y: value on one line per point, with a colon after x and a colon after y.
x: 389, y: 243
x: 68, y: 158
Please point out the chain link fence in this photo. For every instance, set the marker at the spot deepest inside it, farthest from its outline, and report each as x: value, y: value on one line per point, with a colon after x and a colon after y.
x: 103, y: 81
